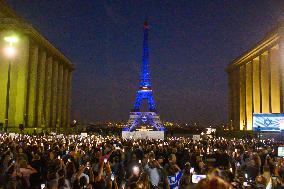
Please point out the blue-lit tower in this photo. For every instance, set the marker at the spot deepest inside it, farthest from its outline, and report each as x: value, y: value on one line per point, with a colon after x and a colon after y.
x: 149, y: 119
x: 145, y: 91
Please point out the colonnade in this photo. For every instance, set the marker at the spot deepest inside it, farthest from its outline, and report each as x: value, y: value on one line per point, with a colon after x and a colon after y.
x: 255, y: 87
x: 40, y: 86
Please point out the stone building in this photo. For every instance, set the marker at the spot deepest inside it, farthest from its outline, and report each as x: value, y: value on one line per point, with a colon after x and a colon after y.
x: 40, y: 77
x: 256, y: 80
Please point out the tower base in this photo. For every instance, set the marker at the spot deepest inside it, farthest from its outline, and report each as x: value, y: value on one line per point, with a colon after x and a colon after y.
x: 144, y: 121
x: 143, y: 135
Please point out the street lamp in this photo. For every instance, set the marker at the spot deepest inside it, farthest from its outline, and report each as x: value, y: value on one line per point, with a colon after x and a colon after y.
x: 10, y: 52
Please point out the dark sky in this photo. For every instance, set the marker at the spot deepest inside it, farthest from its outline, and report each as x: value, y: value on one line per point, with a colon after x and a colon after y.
x: 191, y: 43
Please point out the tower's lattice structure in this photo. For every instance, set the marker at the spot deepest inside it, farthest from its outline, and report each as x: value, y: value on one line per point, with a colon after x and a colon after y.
x: 145, y: 92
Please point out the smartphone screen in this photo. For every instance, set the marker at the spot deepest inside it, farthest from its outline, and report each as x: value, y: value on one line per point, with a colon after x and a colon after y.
x: 246, y: 184
x: 42, y: 186
x: 196, y: 178
x: 280, y: 151
x: 112, y: 177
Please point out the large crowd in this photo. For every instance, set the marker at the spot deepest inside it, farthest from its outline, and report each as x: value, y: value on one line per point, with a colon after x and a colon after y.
x: 93, y: 161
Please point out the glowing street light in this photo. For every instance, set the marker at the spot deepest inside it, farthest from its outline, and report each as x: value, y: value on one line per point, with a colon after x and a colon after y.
x: 10, y: 52
x: 11, y: 39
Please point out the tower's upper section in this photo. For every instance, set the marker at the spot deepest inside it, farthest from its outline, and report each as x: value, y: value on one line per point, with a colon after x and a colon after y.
x: 146, y: 25
x: 145, y: 72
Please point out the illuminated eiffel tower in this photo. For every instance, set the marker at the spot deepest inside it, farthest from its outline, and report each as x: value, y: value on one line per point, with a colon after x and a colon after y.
x: 145, y: 92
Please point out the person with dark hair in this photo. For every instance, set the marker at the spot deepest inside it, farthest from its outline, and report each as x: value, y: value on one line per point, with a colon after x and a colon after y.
x: 260, y: 182
x: 186, y: 177
x: 278, y: 182
x: 63, y: 183
x: 10, y: 178
x: 118, y: 170
x: 70, y: 170
x: 213, y: 183
x: 252, y: 166
x: 143, y: 181
x: 35, y: 178
x: 173, y: 178
x: 83, y: 182
x: 52, y: 180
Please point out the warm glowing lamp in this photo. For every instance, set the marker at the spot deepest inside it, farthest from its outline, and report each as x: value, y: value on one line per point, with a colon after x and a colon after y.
x: 10, y: 51
x: 11, y: 39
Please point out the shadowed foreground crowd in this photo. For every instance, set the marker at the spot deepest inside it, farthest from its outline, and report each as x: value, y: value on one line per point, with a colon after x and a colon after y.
x: 77, y: 162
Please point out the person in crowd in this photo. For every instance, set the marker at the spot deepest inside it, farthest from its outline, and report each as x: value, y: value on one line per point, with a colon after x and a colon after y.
x: 278, y: 182
x: 10, y: 178
x: 143, y: 182
x: 153, y: 168
x: 35, y: 178
x: 118, y: 169
x: 173, y: 177
x: 213, y: 183
x: 185, y: 181
x: 26, y: 170
x: 252, y: 166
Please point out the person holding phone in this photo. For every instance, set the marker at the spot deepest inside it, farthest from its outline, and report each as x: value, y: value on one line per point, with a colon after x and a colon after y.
x: 81, y: 179
x: 153, y: 168
x: 63, y: 183
x: 118, y: 169
x: 173, y: 178
x: 11, y: 175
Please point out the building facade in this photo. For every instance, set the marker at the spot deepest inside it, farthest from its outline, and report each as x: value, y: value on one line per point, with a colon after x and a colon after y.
x: 40, y: 77
x: 256, y: 80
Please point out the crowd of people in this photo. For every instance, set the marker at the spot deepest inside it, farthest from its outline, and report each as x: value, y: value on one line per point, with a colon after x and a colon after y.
x: 96, y: 162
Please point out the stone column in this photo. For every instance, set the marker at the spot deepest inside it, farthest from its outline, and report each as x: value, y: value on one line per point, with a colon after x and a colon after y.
x: 249, y: 95
x: 275, y: 79
x: 41, y: 89
x: 21, y: 63
x: 256, y: 85
x: 281, y: 66
x: 54, y: 93
x: 33, y: 63
x: 48, y: 91
x: 264, y: 82
x: 242, y: 96
x: 59, y: 94
x: 236, y: 99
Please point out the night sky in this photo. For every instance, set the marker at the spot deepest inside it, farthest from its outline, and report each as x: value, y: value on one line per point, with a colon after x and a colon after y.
x: 191, y: 43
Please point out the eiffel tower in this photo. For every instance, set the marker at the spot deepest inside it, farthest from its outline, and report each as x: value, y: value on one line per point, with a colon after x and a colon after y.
x: 145, y: 92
